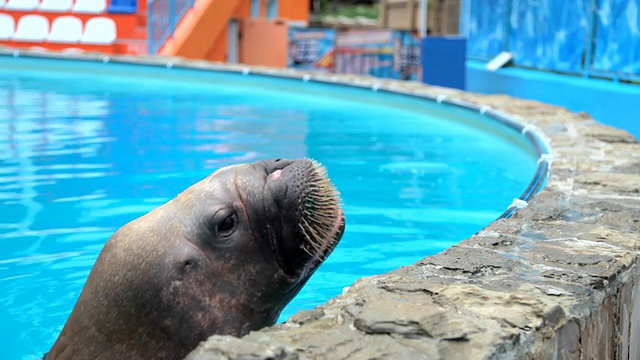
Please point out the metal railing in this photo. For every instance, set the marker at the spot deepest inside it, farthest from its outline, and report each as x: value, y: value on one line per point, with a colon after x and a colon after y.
x: 164, y: 16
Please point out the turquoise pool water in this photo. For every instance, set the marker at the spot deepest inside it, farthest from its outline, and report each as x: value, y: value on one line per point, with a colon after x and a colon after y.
x: 86, y: 148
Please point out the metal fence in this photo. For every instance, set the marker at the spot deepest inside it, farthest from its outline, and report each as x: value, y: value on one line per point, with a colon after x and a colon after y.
x: 588, y: 37
x: 163, y: 18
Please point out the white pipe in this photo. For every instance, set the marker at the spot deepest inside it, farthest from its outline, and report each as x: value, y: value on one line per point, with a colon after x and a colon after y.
x: 422, y: 19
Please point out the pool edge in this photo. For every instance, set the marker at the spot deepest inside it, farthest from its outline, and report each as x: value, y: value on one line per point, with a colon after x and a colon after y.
x: 556, y: 279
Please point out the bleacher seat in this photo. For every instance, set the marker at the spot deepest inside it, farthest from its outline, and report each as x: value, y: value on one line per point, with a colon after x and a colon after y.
x: 7, y: 26
x: 100, y: 31
x: 89, y: 6
x: 65, y: 29
x: 55, y: 5
x: 22, y: 5
x: 32, y: 28
x: 122, y: 7
x: 72, y: 51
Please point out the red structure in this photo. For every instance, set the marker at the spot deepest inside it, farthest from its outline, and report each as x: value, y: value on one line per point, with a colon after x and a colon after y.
x: 110, y: 27
x: 80, y: 25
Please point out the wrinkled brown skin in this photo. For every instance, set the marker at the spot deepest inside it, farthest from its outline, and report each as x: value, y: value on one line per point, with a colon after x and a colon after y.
x: 166, y: 281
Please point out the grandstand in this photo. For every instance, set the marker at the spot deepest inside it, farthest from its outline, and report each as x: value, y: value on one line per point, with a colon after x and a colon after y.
x: 118, y: 27
x: 134, y: 26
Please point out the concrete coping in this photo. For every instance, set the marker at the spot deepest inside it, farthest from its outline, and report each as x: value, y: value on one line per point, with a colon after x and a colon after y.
x: 556, y: 279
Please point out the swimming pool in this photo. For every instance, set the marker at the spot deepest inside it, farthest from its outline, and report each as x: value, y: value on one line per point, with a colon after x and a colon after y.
x: 87, y: 147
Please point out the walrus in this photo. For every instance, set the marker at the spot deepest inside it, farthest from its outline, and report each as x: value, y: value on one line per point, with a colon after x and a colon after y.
x: 223, y: 257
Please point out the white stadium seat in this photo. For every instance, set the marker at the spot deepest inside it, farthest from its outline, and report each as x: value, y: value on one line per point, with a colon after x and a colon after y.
x: 7, y: 26
x: 72, y: 51
x: 32, y: 28
x: 65, y: 29
x: 90, y: 6
x: 99, y: 30
x: 55, y: 5
x: 22, y: 5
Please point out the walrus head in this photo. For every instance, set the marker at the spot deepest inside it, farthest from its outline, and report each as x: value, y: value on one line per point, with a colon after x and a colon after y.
x: 223, y: 257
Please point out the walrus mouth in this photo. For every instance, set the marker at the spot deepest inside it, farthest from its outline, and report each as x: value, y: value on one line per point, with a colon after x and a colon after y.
x: 316, y: 204
x: 320, y: 213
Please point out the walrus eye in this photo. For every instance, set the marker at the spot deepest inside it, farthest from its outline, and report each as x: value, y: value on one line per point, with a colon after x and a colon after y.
x: 226, y: 226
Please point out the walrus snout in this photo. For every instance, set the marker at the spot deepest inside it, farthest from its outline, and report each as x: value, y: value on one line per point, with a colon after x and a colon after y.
x: 311, y: 203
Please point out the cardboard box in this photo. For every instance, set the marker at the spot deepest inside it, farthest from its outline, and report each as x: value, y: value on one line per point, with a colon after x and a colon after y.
x: 443, y: 16
x: 399, y: 14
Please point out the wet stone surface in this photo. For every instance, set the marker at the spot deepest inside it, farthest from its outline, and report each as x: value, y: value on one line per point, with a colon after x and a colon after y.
x: 558, y: 280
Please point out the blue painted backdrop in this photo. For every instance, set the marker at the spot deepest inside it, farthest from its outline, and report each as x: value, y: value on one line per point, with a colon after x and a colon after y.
x: 568, y: 36
x: 487, y: 25
x: 618, y: 36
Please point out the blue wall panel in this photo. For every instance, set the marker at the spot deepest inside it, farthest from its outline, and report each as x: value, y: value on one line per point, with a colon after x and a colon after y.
x: 548, y: 34
x: 443, y: 61
x: 486, y: 27
x: 617, y: 46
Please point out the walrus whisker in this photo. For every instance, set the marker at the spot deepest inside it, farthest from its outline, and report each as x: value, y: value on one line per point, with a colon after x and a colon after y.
x: 313, y: 240
x: 306, y: 249
x: 314, y: 234
x: 306, y: 236
x: 320, y: 209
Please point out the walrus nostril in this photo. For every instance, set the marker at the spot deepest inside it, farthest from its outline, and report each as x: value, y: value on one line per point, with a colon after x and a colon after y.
x: 273, y: 165
x: 187, y: 265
